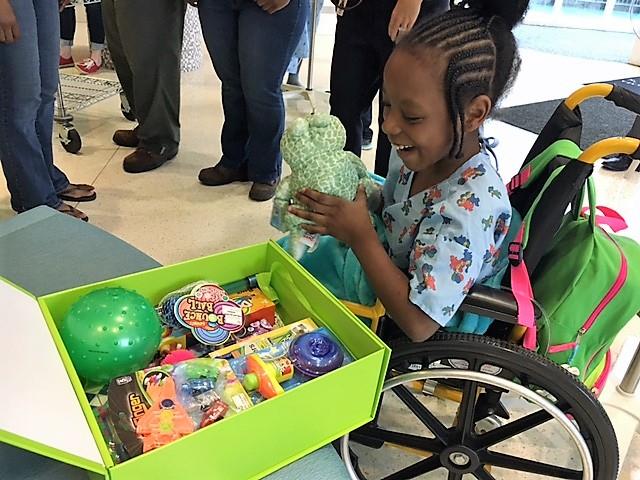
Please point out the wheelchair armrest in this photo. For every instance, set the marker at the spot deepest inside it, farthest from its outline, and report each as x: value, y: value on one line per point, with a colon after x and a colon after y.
x: 493, y: 303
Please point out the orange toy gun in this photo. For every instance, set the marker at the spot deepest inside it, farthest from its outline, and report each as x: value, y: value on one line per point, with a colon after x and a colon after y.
x: 166, y: 420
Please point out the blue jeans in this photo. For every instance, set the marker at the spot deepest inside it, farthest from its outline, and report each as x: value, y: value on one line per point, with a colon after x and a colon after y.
x: 28, y: 85
x: 250, y: 50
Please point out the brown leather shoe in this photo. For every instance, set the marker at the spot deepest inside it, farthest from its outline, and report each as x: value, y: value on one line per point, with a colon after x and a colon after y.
x: 126, y: 138
x: 221, y: 175
x: 143, y: 160
x: 261, y: 192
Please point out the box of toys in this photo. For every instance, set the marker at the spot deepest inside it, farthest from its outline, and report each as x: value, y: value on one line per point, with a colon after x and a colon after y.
x: 172, y: 372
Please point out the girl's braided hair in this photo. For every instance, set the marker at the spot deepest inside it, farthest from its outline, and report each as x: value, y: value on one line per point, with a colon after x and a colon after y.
x: 476, y: 39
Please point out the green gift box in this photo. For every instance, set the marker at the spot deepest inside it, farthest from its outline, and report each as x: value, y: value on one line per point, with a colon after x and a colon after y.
x: 48, y: 412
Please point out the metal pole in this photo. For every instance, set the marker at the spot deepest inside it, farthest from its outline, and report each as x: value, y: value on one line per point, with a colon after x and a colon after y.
x: 631, y: 380
x: 312, y: 43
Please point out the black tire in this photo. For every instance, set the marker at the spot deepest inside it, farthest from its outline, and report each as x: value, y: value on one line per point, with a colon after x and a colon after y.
x: 73, y: 144
x: 526, y: 368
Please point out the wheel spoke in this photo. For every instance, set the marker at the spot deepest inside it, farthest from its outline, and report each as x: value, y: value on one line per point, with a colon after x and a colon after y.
x: 428, y: 445
x: 514, y: 428
x: 412, y: 471
x: 454, y: 476
x: 466, y: 411
x: 482, y: 474
x: 424, y: 415
x: 510, y: 462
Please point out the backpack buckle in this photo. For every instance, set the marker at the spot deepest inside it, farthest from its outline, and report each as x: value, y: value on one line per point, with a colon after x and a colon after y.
x: 515, y: 254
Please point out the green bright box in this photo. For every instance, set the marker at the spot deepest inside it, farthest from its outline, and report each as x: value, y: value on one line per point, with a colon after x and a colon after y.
x: 48, y: 412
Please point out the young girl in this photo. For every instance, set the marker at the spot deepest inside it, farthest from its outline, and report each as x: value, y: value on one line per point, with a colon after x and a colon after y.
x: 446, y: 211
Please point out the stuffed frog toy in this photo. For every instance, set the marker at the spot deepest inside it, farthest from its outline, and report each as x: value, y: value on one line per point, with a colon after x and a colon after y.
x: 313, y: 147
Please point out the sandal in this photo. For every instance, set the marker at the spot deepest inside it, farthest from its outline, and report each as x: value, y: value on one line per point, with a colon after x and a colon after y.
x: 78, y: 193
x: 72, y: 211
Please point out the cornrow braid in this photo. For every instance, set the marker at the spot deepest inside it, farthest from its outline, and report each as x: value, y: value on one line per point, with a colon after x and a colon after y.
x: 480, y: 50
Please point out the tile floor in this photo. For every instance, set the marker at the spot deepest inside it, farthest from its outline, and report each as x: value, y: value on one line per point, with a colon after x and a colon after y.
x: 170, y: 216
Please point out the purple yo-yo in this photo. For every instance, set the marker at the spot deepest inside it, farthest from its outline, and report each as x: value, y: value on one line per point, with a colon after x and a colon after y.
x: 314, y: 354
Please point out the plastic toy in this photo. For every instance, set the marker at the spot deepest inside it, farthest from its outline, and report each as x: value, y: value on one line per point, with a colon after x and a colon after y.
x: 215, y: 412
x: 313, y: 148
x: 205, y: 309
x: 178, y: 356
x: 232, y: 392
x: 255, y: 306
x: 280, y: 336
x: 166, y: 420
x: 315, y: 354
x: 110, y: 332
x: 266, y: 377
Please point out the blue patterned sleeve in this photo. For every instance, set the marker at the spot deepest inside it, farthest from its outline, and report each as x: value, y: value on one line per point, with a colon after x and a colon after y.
x: 443, y: 267
x: 459, y: 246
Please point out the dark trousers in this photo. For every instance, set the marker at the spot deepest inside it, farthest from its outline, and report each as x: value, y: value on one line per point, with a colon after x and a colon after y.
x: 250, y: 50
x: 145, y: 42
x: 94, y: 22
x: 361, y: 50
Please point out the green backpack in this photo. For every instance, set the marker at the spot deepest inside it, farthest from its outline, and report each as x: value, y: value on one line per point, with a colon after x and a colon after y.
x: 587, y: 282
x: 599, y: 278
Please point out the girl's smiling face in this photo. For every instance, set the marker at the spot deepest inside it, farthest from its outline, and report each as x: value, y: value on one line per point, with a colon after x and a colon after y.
x: 416, y: 117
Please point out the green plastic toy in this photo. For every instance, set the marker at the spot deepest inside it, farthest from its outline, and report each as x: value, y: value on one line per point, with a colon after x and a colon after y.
x: 110, y: 332
x: 313, y: 147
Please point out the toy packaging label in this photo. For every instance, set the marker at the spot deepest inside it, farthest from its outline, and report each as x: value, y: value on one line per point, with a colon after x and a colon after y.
x: 266, y: 340
x: 127, y: 405
x: 310, y: 240
x: 255, y: 306
x: 278, y: 212
x: 209, y: 313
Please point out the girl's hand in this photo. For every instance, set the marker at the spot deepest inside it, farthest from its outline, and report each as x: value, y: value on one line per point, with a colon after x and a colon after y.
x: 347, y: 221
x: 9, y: 28
x: 272, y: 6
x: 63, y: 4
x: 403, y: 18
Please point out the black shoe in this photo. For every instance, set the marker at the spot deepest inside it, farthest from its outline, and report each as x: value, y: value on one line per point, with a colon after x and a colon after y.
x: 143, y: 160
x: 126, y: 138
x: 221, y: 175
x: 619, y: 164
x: 261, y: 192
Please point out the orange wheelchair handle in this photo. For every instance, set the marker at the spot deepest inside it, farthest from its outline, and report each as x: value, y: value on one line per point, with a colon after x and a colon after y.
x: 609, y: 146
x: 587, y: 92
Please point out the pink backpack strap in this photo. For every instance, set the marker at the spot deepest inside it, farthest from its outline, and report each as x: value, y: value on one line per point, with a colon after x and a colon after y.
x: 609, y: 217
x: 522, y: 291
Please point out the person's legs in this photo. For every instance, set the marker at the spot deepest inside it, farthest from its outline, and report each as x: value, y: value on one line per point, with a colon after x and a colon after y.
x: 96, y: 26
x: 120, y: 62
x: 25, y: 103
x: 153, y: 48
x: 48, y: 31
x: 96, y: 38
x: 266, y: 43
x: 219, y: 21
x: 367, y: 133
x: 354, y: 72
x: 67, y: 33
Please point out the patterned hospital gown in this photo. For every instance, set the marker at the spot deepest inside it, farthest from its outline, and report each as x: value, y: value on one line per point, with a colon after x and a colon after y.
x: 448, y: 237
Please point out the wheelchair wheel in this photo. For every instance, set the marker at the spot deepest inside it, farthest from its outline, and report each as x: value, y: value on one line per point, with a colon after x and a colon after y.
x: 466, y: 406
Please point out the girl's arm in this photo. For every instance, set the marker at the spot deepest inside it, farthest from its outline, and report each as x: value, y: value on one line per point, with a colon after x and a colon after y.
x: 349, y: 222
x: 392, y: 288
x: 9, y: 28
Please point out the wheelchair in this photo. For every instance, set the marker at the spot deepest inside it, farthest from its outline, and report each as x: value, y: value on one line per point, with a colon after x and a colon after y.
x: 469, y: 406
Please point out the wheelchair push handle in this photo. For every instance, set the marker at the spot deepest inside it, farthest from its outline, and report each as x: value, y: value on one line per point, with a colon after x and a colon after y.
x: 618, y: 95
x: 611, y: 146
